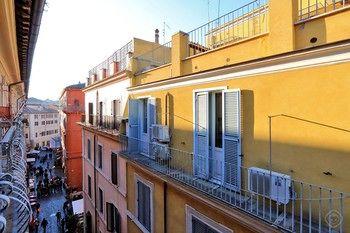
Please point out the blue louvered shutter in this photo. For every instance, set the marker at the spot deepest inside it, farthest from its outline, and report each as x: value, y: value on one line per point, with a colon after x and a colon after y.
x: 232, y: 138
x: 134, y: 127
x: 201, y: 135
x: 152, y: 118
x: 144, y: 205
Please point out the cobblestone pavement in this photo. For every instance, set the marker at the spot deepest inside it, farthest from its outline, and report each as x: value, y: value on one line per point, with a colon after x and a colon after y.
x: 54, y: 202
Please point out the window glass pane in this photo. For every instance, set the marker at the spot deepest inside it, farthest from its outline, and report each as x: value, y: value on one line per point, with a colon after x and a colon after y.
x: 200, y: 227
x: 218, y: 120
x: 100, y: 156
x: 144, y: 118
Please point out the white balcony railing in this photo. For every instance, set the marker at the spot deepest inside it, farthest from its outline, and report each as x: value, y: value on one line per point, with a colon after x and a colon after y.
x: 291, y: 205
x: 312, y: 8
x: 15, y: 209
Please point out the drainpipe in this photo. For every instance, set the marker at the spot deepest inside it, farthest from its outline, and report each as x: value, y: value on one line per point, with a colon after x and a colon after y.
x: 95, y: 186
x: 9, y: 97
x: 165, y: 194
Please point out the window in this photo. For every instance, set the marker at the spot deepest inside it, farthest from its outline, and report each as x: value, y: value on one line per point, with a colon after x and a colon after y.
x: 144, y: 204
x: 56, y: 130
x: 26, y: 135
x: 43, y: 123
x: 100, y: 198
x: 144, y: 115
x: 36, y: 135
x: 100, y: 156
x: 35, y: 116
x: 89, y: 186
x: 89, y: 149
x: 114, y: 169
x: 55, y: 121
x: 36, y: 123
x: 113, y: 218
x: 48, y: 143
x: 199, y: 223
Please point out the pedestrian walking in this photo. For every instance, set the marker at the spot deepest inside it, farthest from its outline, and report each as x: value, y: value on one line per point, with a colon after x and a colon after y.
x: 44, y: 224
x: 37, y: 209
x: 36, y: 225
x: 63, y: 222
x: 58, y: 217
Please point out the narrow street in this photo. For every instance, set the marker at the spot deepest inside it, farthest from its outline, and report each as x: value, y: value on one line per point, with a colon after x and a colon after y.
x: 53, y: 202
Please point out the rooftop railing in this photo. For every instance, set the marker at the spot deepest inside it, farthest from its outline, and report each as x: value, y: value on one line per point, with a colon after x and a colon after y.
x: 243, y: 23
x: 156, y: 57
x: 119, y: 57
x: 311, y: 8
x: 291, y: 205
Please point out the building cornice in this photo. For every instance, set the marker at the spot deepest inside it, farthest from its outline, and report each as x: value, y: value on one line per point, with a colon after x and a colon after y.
x: 324, y: 55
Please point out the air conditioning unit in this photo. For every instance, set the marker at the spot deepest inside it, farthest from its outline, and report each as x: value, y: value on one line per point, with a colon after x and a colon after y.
x: 160, y: 151
x: 276, y: 186
x: 160, y: 133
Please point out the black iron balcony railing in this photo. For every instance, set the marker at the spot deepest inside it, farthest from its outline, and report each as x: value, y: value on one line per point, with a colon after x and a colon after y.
x: 279, y: 200
x: 104, y: 122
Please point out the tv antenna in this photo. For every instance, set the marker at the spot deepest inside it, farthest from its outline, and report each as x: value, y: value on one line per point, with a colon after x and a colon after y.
x: 165, y: 26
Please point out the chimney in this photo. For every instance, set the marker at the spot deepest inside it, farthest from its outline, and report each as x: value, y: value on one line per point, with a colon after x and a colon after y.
x: 156, y: 36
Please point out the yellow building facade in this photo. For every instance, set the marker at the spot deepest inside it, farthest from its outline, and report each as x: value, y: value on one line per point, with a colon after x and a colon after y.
x: 241, y: 110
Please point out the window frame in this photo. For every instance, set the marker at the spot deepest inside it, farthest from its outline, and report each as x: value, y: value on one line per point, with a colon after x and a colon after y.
x: 100, y: 158
x: 89, y: 148
x: 114, y: 174
x: 138, y: 178
x: 100, y: 200
x: 89, y: 186
x: 191, y: 212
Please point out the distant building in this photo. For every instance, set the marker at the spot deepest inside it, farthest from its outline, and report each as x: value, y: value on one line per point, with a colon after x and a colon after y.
x: 42, y: 125
x: 71, y: 112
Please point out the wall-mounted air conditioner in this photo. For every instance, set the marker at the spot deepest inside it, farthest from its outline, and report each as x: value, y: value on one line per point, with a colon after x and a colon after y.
x: 160, y: 151
x: 272, y: 185
x: 160, y: 133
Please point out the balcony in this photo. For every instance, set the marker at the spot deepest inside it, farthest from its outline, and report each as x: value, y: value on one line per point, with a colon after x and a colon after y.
x: 114, y: 64
x: 109, y: 124
x: 297, y: 207
x: 243, y: 23
x: 72, y: 109
x: 311, y: 8
x: 14, y: 201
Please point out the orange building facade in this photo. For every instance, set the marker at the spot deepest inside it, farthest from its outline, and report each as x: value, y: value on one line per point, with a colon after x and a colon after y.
x: 72, y: 111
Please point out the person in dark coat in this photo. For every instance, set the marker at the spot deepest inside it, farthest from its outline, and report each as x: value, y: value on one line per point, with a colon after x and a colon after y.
x: 44, y: 224
x: 58, y: 217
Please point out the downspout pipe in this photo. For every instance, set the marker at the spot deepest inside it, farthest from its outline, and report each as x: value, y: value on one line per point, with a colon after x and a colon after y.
x: 10, y: 92
x: 165, y: 194
x: 95, y: 186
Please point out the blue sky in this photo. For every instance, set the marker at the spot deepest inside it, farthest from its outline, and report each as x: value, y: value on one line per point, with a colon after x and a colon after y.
x: 76, y: 35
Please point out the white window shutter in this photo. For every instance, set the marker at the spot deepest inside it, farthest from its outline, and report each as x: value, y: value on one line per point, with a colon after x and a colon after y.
x: 232, y: 138
x: 201, y: 135
x: 152, y: 119
x: 134, y: 127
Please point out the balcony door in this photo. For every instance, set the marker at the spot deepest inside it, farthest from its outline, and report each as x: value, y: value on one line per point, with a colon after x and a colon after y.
x: 217, y: 137
x: 142, y: 115
x: 91, y: 113
x: 101, y: 113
